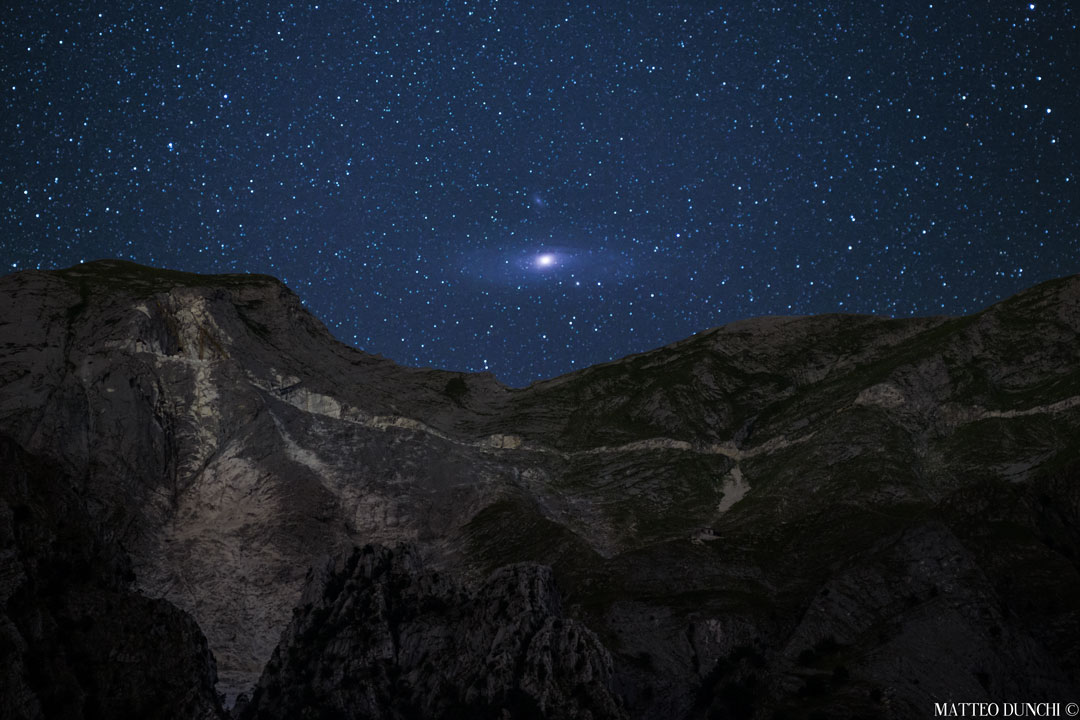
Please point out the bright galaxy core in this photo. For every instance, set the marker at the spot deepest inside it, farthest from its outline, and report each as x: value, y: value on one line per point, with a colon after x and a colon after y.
x: 531, y: 189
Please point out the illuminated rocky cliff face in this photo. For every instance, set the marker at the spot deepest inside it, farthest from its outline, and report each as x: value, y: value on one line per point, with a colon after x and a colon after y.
x: 837, y: 514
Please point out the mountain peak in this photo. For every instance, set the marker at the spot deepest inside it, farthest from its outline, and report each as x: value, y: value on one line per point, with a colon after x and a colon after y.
x: 116, y: 273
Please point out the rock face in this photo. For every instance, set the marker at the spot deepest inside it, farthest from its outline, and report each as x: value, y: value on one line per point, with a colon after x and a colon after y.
x: 378, y: 636
x: 75, y: 640
x: 839, y: 515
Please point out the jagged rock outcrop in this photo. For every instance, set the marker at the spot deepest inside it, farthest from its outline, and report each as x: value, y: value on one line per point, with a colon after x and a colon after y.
x: 75, y: 640
x: 379, y: 636
x: 793, y: 515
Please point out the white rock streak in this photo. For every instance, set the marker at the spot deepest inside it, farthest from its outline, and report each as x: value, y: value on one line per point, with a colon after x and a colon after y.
x: 735, y: 488
x: 976, y: 413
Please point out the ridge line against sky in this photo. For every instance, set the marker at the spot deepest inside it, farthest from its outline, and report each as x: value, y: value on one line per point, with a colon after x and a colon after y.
x: 534, y: 189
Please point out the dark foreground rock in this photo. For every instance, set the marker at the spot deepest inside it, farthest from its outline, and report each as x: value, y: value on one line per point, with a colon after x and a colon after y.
x: 379, y: 636
x: 75, y: 640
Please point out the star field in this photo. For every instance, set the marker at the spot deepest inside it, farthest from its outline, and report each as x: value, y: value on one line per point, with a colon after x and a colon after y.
x: 531, y: 190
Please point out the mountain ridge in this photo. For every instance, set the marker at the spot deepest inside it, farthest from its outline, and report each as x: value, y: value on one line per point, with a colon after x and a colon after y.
x: 693, y: 501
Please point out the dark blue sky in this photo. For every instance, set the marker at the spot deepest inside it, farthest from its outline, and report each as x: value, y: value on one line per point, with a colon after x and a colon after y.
x: 530, y: 190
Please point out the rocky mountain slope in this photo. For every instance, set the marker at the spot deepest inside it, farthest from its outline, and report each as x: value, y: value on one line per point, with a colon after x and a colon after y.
x: 377, y: 635
x: 841, y: 515
x: 75, y: 639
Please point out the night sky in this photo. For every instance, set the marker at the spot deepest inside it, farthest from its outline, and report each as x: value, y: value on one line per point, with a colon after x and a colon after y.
x: 531, y: 190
